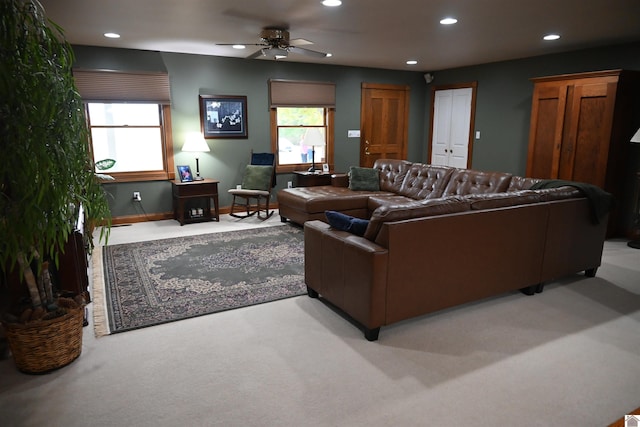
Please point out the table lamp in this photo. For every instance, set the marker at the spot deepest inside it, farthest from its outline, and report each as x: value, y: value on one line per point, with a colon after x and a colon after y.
x: 195, y: 142
x: 314, y: 138
x: 313, y: 159
x: 636, y: 243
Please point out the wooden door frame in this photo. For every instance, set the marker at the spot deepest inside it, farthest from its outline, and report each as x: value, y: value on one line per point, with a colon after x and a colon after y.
x: 472, y: 119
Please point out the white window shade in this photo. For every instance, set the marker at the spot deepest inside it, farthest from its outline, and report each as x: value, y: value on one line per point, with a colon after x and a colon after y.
x: 294, y: 93
x: 106, y: 86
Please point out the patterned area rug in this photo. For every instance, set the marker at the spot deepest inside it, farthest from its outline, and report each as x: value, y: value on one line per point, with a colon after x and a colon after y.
x: 154, y: 282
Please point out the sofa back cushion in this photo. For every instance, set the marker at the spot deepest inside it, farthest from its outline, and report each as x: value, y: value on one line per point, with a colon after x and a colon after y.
x: 502, y: 200
x: 392, y: 173
x: 417, y: 209
x: 521, y: 183
x: 425, y: 181
x: 467, y: 181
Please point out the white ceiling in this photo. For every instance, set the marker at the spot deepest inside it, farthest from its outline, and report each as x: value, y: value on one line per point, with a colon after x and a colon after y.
x: 365, y: 33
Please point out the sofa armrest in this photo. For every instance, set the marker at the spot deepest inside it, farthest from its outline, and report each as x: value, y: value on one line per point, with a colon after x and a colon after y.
x: 348, y: 270
x: 340, y: 180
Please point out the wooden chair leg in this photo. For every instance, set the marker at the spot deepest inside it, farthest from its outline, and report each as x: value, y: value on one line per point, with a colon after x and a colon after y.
x: 247, y: 208
x: 267, y: 213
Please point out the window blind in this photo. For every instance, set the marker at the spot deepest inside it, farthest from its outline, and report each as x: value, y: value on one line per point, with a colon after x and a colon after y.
x: 107, y: 86
x: 294, y: 93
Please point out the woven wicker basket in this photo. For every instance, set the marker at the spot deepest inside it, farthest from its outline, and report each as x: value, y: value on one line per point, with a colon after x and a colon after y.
x: 40, y: 347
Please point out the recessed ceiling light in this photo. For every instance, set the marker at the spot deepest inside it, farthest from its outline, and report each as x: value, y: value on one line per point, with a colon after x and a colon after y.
x: 332, y: 3
x: 448, y: 21
x: 328, y: 55
x: 112, y: 35
x: 238, y: 46
x: 412, y: 62
x: 551, y: 37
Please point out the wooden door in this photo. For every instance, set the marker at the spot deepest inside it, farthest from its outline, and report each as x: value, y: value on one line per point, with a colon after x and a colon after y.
x: 384, y: 122
x: 546, y: 129
x: 451, y: 140
x: 585, y: 146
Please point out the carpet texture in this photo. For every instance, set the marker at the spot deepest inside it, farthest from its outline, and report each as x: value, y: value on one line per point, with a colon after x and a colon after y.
x: 154, y: 282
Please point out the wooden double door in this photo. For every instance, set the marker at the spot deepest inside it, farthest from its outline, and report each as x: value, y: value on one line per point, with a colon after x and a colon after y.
x: 580, y: 129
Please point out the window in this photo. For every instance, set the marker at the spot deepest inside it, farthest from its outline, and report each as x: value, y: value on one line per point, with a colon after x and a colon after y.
x: 129, y: 121
x: 302, y: 135
x: 302, y: 117
x: 131, y: 134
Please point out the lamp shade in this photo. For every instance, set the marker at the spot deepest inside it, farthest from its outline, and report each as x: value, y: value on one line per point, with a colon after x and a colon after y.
x: 636, y: 137
x: 195, y: 142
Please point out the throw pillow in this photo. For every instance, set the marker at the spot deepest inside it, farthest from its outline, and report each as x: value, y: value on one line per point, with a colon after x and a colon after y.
x: 257, y: 177
x: 364, y: 179
x: 344, y: 222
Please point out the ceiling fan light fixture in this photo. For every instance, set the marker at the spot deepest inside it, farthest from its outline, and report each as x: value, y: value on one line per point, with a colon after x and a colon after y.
x: 448, y: 21
x: 331, y: 3
x: 412, y: 62
x: 550, y: 37
x: 275, y: 52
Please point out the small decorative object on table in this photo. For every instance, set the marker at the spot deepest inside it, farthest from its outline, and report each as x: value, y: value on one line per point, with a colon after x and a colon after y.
x: 185, y: 174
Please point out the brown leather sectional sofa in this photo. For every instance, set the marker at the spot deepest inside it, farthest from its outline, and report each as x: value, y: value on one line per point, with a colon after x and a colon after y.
x: 439, y: 237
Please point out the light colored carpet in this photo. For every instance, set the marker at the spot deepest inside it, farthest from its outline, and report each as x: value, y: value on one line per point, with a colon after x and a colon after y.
x: 567, y: 357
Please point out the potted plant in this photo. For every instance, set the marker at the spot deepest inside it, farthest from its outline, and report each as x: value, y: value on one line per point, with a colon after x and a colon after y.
x: 47, y: 169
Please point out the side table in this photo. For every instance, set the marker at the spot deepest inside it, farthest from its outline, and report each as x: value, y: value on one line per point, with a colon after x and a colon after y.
x: 205, y: 189
x: 311, y: 179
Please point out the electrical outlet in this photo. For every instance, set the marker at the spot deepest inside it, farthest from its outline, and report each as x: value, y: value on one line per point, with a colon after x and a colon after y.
x: 136, y: 196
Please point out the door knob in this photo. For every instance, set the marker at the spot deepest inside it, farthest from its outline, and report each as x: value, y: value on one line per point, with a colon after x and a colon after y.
x: 366, y: 148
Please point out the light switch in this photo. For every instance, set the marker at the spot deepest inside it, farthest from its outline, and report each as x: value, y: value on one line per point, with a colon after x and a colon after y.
x: 477, y: 134
x: 353, y: 133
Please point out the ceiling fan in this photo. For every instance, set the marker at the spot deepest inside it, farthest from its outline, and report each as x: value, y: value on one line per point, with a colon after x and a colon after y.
x: 276, y: 44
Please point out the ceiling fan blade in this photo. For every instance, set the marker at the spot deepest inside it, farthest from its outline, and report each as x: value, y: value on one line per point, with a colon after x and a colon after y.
x: 299, y: 42
x: 308, y: 52
x: 257, y: 54
x: 244, y: 44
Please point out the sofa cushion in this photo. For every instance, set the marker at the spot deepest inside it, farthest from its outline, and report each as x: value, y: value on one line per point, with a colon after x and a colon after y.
x: 425, y: 181
x: 392, y: 173
x: 323, y: 198
x: 467, y: 181
x: 343, y: 222
x: 502, y: 200
x: 417, y: 209
x: 521, y: 183
x: 376, y: 201
x: 367, y: 179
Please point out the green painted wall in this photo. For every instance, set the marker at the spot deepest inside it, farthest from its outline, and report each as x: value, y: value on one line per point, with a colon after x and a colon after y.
x: 191, y: 75
x: 502, y: 110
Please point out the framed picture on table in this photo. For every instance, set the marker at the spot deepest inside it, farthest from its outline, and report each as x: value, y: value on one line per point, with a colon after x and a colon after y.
x: 223, y: 116
x: 184, y: 172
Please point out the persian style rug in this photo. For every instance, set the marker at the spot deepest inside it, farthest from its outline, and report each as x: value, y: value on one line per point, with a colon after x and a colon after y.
x: 154, y: 282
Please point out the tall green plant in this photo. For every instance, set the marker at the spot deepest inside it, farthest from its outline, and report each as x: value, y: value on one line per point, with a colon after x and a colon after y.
x: 45, y: 163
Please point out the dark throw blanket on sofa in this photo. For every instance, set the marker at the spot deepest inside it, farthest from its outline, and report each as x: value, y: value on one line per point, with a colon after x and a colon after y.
x: 600, y: 201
